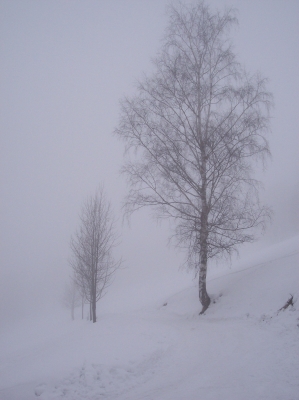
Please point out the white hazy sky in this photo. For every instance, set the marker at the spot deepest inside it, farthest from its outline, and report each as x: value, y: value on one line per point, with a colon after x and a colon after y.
x: 64, y: 67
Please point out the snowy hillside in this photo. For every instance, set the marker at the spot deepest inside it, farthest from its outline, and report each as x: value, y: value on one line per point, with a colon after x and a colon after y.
x: 242, y: 348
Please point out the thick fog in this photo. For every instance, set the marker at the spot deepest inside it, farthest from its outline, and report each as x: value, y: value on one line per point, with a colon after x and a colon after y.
x: 64, y: 67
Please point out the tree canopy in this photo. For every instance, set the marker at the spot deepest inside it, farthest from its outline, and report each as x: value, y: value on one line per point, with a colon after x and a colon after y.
x: 194, y: 132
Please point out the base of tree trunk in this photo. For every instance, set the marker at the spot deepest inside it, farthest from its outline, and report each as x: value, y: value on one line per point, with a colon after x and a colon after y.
x: 202, y: 288
x: 205, y: 305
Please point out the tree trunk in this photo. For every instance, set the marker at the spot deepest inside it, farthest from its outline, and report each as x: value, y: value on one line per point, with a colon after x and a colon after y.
x: 203, y: 242
x: 93, y: 300
x: 94, y: 311
x: 202, y: 289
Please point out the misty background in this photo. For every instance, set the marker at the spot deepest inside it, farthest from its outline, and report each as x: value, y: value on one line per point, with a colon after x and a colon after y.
x: 64, y: 67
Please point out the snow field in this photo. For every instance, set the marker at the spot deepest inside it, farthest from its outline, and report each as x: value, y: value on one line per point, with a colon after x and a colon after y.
x: 242, y: 348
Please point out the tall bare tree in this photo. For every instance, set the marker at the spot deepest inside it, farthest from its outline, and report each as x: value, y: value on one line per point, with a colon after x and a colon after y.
x: 193, y: 133
x: 92, y: 247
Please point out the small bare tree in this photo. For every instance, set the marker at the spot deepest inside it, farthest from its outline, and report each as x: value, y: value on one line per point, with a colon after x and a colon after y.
x: 193, y: 133
x: 72, y: 297
x: 92, y: 246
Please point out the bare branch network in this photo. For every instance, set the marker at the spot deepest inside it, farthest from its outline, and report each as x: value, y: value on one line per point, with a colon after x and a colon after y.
x: 193, y: 133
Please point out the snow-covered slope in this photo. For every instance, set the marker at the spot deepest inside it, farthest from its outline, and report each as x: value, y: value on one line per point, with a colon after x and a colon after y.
x: 242, y: 348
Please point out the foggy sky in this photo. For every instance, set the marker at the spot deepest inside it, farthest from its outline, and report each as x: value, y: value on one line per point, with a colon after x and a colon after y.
x: 64, y: 67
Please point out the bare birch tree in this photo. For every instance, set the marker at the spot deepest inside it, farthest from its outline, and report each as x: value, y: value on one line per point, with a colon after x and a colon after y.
x: 193, y: 133
x: 92, y: 247
x: 71, y: 297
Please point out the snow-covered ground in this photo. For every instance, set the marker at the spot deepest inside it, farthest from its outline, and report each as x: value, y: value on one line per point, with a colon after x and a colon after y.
x: 242, y: 348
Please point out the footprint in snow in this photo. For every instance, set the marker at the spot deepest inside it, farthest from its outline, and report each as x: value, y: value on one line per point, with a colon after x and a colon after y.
x: 39, y: 390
